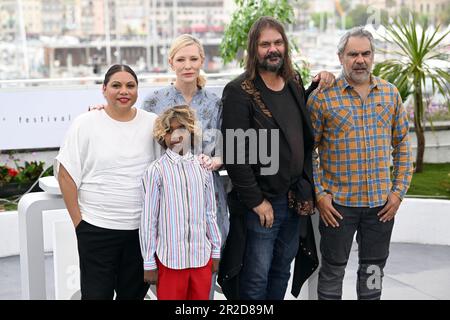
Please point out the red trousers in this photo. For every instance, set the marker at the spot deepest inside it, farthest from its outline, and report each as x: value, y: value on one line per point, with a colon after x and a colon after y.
x: 184, y: 284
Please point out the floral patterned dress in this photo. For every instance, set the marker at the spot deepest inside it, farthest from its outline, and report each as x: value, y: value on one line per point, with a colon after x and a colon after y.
x: 208, y: 107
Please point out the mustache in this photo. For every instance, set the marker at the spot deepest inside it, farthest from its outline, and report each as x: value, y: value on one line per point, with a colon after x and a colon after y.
x: 360, y: 67
x: 273, y: 54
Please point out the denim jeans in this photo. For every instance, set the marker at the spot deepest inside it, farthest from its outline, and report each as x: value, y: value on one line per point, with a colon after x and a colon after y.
x: 269, y: 253
x: 373, y: 238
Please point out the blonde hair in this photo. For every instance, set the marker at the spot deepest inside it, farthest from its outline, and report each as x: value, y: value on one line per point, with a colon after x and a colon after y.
x: 183, y: 41
x: 185, y: 115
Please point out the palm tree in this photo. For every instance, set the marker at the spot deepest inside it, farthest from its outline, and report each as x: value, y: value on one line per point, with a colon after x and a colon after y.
x: 418, y: 52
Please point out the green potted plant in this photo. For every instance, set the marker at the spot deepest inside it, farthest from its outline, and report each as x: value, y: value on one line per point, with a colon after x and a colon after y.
x: 16, y: 181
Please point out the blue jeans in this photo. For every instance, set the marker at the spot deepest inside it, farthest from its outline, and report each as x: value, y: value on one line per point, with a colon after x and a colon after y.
x: 373, y: 238
x: 269, y: 253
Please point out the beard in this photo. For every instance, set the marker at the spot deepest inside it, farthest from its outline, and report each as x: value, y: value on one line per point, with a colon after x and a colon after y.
x: 359, y: 77
x: 267, y: 66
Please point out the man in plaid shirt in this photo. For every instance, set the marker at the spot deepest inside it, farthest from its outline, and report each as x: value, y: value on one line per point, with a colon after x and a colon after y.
x: 357, y: 124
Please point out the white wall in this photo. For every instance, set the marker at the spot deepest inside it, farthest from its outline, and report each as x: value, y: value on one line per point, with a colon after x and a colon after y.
x: 9, y: 230
x: 437, y: 147
x: 424, y: 221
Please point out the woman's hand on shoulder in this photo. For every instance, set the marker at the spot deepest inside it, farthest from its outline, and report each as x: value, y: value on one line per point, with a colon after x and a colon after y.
x: 210, y: 163
x: 96, y: 107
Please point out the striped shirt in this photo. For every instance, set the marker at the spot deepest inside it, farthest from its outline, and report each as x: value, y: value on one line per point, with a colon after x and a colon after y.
x: 354, y: 141
x: 178, y: 222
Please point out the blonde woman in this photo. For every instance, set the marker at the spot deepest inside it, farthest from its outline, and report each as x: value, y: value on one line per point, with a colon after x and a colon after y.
x: 186, y: 58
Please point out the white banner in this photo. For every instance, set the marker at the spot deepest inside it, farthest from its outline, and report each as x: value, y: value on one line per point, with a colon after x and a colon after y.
x: 38, y: 117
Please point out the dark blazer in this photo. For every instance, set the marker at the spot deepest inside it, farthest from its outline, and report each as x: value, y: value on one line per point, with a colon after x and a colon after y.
x: 245, y: 106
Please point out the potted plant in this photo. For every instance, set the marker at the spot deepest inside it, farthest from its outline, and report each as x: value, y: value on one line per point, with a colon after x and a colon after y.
x: 16, y: 181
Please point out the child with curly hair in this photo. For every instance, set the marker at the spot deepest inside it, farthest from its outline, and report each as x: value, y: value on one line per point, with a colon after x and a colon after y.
x: 179, y: 236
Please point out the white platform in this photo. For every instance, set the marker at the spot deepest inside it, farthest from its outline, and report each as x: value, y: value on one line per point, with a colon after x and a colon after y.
x: 424, y: 221
x: 421, y: 221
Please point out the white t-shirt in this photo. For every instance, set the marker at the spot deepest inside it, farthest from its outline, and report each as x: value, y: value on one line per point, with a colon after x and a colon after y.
x: 107, y: 159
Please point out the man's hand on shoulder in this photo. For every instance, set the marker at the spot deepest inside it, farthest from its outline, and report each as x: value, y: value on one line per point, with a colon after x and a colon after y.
x: 326, y: 80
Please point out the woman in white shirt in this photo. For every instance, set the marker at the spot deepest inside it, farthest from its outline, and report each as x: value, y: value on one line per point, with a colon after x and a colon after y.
x: 99, y: 169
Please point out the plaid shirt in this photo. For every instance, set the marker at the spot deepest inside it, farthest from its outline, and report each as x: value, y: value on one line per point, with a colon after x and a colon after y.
x: 353, y: 140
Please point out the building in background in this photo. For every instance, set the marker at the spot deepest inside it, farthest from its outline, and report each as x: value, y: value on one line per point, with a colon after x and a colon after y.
x: 61, y: 38
x: 431, y: 8
x: 75, y: 33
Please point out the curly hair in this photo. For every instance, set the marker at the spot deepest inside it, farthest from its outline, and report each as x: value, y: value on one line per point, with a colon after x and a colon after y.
x: 185, y: 115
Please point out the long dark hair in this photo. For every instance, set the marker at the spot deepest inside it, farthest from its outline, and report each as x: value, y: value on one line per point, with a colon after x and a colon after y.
x: 118, y: 68
x: 251, y: 63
